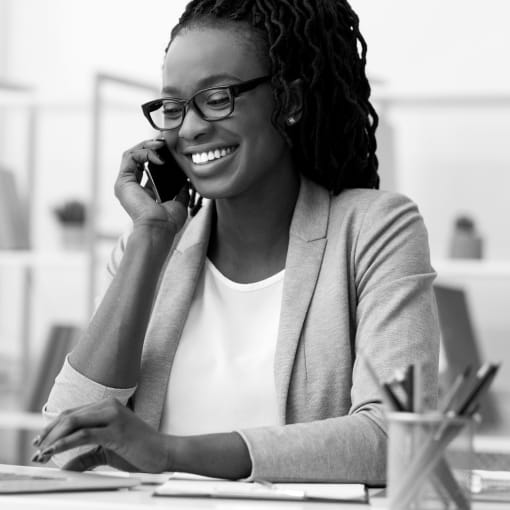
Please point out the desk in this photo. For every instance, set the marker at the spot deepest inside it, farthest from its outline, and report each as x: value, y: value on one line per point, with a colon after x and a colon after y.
x: 141, y: 498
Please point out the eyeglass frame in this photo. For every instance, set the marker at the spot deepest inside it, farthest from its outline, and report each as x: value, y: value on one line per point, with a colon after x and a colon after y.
x: 234, y: 91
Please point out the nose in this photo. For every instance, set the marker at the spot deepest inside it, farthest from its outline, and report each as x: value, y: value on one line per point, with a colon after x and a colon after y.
x: 193, y: 126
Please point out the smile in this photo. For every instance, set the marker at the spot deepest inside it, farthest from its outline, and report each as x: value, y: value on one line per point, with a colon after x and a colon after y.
x: 201, y: 158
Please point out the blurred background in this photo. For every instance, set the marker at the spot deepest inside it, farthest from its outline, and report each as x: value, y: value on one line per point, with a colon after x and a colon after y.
x: 72, y: 76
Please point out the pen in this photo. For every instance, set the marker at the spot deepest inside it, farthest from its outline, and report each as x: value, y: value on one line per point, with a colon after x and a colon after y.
x: 403, y: 379
x: 418, y: 400
x: 450, y: 399
x: 484, y: 376
x: 454, y: 391
x: 389, y: 398
x: 409, y: 387
x: 434, y: 448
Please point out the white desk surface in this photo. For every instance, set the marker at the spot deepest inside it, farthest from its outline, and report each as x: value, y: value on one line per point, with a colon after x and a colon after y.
x: 141, y: 498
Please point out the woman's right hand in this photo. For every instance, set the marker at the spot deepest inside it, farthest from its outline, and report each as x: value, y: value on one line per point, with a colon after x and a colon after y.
x: 137, y: 200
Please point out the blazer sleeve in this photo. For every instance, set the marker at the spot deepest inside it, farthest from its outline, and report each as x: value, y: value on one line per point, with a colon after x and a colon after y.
x: 396, y: 324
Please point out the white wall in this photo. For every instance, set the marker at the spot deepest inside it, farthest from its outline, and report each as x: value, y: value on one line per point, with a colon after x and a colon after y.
x: 57, y: 46
x: 455, y: 45
x: 448, y: 160
x: 438, y: 46
x: 451, y: 160
x: 4, y: 36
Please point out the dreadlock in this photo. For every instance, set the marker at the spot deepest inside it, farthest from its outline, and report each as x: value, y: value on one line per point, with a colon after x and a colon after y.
x: 318, y: 41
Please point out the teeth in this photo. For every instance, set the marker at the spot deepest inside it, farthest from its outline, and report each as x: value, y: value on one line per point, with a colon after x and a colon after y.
x: 199, y: 158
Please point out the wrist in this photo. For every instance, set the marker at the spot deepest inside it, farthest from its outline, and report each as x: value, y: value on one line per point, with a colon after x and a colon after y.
x: 153, y: 235
x: 155, y: 227
x: 174, y: 448
x: 220, y: 455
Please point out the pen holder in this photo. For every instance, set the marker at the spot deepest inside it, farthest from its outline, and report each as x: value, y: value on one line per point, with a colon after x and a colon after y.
x: 429, y: 461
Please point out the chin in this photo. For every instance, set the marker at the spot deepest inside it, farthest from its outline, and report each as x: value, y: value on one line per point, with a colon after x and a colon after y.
x: 217, y: 188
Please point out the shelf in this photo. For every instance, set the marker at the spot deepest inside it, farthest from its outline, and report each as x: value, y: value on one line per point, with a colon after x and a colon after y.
x: 70, y: 258
x: 27, y: 258
x: 495, y: 99
x: 472, y: 268
x: 21, y: 420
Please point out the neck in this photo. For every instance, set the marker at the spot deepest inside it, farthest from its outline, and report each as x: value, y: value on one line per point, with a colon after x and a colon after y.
x: 250, y: 235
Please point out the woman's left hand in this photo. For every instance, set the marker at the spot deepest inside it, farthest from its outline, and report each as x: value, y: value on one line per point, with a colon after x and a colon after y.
x: 124, y: 440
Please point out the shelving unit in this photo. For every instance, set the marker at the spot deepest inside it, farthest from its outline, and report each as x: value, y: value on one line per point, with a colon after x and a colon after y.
x: 21, y: 96
x: 388, y: 99
x: 497, y: 269
x: 93, y: 257
x: 94, y: 235
x: 42, y: 259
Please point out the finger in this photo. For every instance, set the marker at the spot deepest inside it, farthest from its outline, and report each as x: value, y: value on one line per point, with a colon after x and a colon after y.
x: 139, y: 171
x: 37, y: 441
x: 150, y: 190
x: 142, y: 156
x: 88, y: 460
x: 155, y: 144
x: 82, y: 437
x: 136, y: 156
x: 92, y: 416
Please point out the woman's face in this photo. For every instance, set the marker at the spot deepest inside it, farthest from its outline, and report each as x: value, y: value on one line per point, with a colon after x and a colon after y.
x: 200, y: 58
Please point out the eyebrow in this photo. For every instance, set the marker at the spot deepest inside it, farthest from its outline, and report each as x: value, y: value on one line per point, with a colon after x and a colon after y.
x: 208, y: 81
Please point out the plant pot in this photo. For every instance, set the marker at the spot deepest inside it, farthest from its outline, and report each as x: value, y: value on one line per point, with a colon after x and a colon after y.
x: 73, y: 236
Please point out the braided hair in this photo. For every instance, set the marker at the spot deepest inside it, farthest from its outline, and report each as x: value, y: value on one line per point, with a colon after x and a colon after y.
x: 319, y: 42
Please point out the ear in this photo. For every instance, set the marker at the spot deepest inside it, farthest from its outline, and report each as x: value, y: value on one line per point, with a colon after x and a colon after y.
x: 294, y: 109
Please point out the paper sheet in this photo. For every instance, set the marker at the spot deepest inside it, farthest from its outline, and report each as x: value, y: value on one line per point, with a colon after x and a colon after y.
x: 277, y: 491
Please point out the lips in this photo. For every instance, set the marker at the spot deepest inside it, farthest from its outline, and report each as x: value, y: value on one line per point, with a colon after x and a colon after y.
x: 213, y: 154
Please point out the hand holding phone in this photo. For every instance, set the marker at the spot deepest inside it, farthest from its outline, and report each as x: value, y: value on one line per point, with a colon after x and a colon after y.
x: 167, y: 179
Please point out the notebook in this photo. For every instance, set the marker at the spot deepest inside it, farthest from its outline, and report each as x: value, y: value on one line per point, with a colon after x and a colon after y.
x: 461, y: 348
x: 24, y: 479
x: 182, y: 485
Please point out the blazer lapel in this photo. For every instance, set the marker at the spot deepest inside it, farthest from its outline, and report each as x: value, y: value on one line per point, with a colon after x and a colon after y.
x: 169, y: 315
x: 307, y: 242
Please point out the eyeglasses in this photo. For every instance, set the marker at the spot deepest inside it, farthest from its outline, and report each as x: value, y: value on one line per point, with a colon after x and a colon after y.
x: 212, y: 104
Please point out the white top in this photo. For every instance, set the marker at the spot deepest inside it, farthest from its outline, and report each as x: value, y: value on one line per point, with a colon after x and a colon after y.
x: 222, y: 377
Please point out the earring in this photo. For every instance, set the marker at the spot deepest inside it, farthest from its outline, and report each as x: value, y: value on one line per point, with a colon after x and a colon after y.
x: 195, y: 201
x: 291, y: 121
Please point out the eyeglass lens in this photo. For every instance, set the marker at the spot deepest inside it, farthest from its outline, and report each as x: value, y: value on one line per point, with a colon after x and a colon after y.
x: 212, y: 104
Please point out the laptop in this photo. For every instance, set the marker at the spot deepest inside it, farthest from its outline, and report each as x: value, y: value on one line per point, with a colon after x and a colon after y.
x: 461, y: 348
x: 26, y: 479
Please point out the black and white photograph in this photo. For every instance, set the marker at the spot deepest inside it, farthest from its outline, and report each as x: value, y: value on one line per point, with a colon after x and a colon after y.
x: 254, y: 252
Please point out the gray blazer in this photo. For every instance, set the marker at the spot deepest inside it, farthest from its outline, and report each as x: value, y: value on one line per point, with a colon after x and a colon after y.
x: 357, y: 276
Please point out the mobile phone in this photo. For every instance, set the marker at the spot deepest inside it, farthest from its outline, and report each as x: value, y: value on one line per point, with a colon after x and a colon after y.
x: 167, y: 179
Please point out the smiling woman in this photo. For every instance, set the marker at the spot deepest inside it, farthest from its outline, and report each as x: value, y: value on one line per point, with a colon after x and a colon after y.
x: 227, y: 343
x: 258, y: 156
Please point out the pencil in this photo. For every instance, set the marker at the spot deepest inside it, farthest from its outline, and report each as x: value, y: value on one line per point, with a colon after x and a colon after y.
x: 432, y: 451
x: 389, y: 398
x: 450, y: 397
